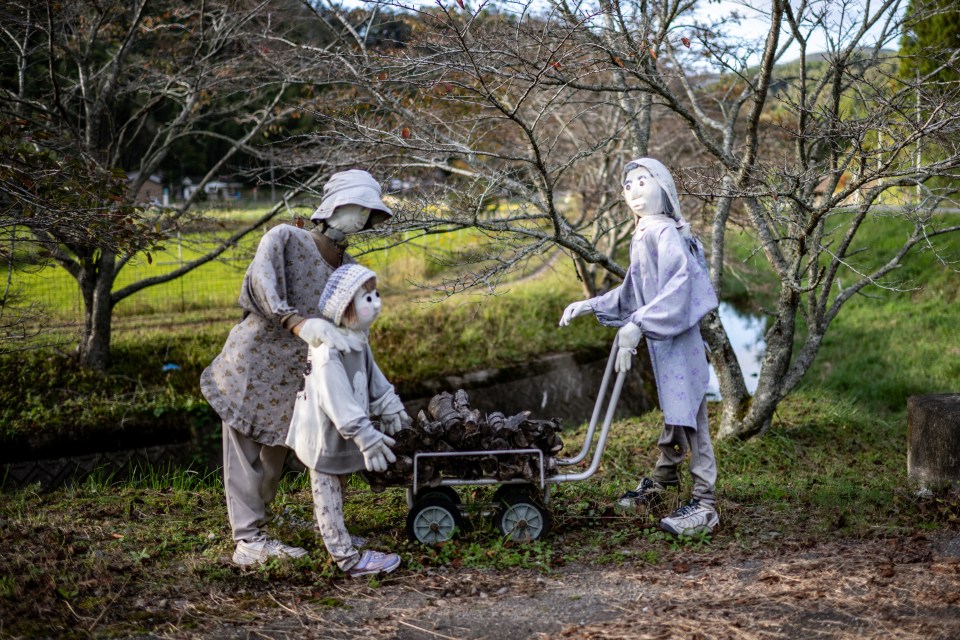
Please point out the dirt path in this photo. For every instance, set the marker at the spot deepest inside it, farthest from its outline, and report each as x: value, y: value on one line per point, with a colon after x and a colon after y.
x: 902, y: 588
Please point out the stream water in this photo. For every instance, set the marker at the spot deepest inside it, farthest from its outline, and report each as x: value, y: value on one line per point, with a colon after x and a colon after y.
x: 746, y: 333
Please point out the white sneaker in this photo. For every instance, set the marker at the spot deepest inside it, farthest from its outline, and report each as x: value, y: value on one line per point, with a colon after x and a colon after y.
x: 262, y: 549
x: 372, y: 562
x: 690, y: 519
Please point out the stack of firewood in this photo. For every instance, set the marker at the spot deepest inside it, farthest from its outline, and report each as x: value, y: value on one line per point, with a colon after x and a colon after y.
x: 449, y: 424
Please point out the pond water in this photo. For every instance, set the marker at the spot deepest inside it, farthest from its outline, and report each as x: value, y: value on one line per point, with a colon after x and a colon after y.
x: 746, y: 333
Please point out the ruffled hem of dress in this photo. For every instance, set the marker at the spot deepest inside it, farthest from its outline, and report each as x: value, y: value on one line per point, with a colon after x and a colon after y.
x: 232, y: 416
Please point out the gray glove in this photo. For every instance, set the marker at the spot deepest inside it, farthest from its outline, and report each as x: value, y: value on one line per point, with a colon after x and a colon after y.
x: 317, y: 331
x: 575, y: 310
x: 378, y: 455
x: 628, y: 337
x: 393, y: 422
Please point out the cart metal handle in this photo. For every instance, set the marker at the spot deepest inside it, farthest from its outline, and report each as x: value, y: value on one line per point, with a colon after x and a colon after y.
x: 602, y: 440
x: 588, y: 439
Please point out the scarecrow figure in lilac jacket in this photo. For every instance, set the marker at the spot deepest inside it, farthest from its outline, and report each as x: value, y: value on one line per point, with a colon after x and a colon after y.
x: 664, y: 295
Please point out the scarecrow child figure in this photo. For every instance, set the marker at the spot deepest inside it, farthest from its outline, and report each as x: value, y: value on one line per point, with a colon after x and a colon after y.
x: 331, y: 431
x: 664, y: 295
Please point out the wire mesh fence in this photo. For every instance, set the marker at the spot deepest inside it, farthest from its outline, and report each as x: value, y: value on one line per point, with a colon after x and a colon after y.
x: 211, y: 288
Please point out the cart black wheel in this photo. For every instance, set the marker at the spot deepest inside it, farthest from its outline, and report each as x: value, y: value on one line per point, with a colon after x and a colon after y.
x: 448, y: 492
x: 521, y: 516
x: 433, y: 519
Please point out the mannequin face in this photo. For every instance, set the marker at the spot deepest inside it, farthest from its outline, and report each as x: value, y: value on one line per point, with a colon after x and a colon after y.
x: 367, y: 306
x: 643, y: 195
x: 349, y: 218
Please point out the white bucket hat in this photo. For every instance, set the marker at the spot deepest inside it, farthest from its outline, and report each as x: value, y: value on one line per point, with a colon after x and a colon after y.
x: 353, y: 187
x: 342, y: 285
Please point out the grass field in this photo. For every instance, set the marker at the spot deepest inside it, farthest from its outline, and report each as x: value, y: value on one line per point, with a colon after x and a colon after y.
x: 905, y: 340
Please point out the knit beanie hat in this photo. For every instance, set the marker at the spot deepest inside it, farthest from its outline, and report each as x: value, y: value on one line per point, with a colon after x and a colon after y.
x: 342, y: 285
x: 353, y: 187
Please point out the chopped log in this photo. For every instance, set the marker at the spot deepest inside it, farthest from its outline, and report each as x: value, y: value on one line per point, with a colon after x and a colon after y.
x: 449, y: 425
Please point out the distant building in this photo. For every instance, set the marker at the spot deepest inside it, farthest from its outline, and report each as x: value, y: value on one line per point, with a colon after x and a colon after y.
x: 151, y: 191
x: 222, y: 190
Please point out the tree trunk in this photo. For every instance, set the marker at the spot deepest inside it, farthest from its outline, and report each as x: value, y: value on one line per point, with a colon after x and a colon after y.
x: 933, y: 440
x: 770, y: 389
x: 735, y: 399
x: 96, y: 284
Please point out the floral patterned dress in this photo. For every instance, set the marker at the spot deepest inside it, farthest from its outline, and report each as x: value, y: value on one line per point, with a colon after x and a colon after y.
x: 252, y: 384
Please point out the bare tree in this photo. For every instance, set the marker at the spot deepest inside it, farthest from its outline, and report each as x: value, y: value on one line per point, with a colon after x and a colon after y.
x: 530, y: 102
x: 123, y: 85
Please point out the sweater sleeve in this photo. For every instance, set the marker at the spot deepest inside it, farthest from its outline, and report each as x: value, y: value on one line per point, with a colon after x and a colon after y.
x: 335, y: 395
x: 383, y: 398
x: 264, y: 289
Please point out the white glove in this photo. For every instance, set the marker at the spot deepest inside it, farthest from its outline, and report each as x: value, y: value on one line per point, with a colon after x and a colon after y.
x: 628, y: 337
x: 317, y: 331
x: 393, y: 422
x: 575, y: 310
x: 377, y: 456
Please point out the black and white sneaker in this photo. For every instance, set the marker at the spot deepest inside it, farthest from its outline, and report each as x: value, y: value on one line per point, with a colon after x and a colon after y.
x: 691, y: 519
x: 648, y: 492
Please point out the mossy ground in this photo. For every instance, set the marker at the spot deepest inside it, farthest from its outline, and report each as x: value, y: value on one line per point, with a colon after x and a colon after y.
x: 151, y: 555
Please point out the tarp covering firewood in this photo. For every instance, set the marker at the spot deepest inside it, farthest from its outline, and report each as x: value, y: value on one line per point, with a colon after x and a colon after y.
x: 449, y: 425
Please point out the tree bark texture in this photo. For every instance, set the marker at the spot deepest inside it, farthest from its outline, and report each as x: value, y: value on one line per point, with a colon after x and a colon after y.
x: 933, y: 439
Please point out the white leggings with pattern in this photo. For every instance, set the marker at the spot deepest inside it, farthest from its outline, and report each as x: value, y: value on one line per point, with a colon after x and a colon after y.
x: 328, y: 507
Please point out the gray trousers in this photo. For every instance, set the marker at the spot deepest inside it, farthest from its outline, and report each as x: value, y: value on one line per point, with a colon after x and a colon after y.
x: 328, y: 507
x: 674, y: 442
x: 251, y: 474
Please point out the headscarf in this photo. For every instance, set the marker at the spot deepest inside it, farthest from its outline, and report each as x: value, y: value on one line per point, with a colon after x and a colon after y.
x: 661, y: 175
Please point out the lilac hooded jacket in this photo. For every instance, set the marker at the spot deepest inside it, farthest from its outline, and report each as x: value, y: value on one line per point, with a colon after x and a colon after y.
x: 666, y: 292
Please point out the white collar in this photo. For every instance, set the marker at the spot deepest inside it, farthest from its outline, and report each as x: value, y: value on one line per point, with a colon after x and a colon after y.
x: 644, y: 222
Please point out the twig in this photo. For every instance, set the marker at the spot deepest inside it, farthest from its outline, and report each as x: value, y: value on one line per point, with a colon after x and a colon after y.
x: 108, y: 605
x: 286, y: 608
x: 433, y: 633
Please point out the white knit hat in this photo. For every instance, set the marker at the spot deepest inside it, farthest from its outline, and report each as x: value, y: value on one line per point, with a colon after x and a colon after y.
x: 342, y: 285
x: 353, y: 187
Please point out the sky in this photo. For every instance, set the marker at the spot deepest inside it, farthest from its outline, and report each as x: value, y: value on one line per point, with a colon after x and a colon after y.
x: 842, y: 15
x: 755, y: 23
